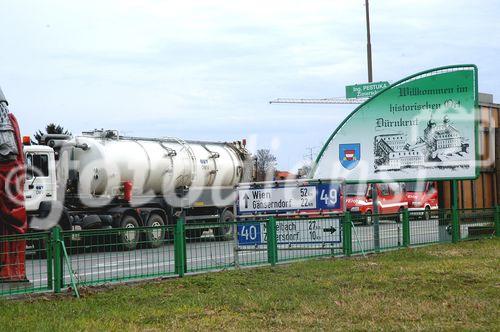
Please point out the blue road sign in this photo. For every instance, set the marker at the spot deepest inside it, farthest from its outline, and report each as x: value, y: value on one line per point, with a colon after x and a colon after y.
x: 292, y: 232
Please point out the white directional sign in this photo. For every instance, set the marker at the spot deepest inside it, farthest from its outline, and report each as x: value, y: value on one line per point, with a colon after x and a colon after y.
x: 279, y: 199
x: 292, y: 232
x: 289, y: 198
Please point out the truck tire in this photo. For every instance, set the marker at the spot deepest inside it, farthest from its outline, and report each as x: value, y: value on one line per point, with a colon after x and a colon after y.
x: 194, y: 234
x: 128, y: 239
x: 399, y: 218
x: 224, y: 232
x: 40, y: 245
x: 368, y: 218
x: 427, y: 213
x: 155, y: 237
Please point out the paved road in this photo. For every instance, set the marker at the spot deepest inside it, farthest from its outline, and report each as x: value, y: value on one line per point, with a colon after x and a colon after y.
x: 207, y: 253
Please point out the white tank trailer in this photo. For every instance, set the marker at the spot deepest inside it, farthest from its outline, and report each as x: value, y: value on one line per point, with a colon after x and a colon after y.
x: 107, y: 180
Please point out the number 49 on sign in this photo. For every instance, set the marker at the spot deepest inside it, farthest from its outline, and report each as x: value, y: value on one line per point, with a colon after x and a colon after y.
x: 329, y: 196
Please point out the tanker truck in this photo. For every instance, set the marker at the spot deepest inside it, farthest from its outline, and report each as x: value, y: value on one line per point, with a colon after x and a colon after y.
x: 101, y: 179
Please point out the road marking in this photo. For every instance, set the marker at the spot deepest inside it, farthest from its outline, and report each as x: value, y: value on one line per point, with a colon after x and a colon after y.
x: 115, y: 263
x: 151, y: 265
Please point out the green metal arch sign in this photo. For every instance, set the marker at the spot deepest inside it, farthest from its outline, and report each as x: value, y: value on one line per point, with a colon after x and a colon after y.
x: 422, y: 127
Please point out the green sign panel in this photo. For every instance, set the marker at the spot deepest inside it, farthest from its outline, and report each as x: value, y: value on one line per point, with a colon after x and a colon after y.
x: 365, y: 90
x: 422, y: 127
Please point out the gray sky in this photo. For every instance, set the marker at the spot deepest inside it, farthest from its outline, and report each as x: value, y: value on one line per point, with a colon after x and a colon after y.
x: 207, y: 69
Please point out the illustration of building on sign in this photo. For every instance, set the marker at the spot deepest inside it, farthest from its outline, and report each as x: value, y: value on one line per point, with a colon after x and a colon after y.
x: 398, y: 160
x: 438, y: 144
x: 442, y: 139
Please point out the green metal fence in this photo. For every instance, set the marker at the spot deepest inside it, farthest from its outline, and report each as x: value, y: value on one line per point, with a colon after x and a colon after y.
x: 61, y: 260
x: 209, y: 246
x: 102, y: 256
x: 476, y: 223
x: 322, y: 237
x: 38, y: 264
x: 431, y: 227
x: 376, y: 232
x: 259, y: 250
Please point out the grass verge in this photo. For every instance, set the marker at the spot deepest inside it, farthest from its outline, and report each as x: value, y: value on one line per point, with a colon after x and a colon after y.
x: 446, y: 287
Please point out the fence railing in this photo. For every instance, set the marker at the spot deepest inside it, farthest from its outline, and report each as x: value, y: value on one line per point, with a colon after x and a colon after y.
x: 59, y: 260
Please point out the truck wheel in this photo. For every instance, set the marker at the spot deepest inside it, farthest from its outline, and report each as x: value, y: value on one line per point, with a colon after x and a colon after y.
x: 130, y: 237
x: 155, y: 237
x: 427, y: 213
x: 40, y: 245
x: 225, y: 232
x: 194, y: 234
x: 400, y: 216
x: 368, y: 218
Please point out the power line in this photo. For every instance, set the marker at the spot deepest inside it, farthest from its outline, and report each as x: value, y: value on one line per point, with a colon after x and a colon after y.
x: 336, y: 100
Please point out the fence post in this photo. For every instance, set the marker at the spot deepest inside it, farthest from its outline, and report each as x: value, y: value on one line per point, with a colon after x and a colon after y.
x: 455, y: 226
x: 497, y: 220
x: 272, y: 243
x: 236, y: 253
x: 50, y: 258
x: 347, y: 234
x: 180, y: 247
x: 406, y: 228
x: 58, y: 267
x: 455, y: 222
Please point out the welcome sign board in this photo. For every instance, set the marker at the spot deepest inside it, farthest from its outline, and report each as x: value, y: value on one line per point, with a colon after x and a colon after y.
x: 422, y: 127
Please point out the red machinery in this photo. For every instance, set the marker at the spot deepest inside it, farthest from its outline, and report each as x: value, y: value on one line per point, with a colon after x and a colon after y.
x: 12, y: 211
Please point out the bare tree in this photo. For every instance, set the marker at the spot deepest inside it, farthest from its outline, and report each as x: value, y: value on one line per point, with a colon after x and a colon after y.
x: 51, y: 128
x: 266, y: 165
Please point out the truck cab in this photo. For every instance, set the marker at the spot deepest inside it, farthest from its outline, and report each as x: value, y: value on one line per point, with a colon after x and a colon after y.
x: 422, y: 197
x: 391, y: 199
x: 40, y: 185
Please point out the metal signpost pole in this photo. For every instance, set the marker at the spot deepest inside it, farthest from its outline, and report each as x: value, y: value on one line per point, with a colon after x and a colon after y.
x: 368, y: 42
x: 455, y: 223
x: 376, y: 225
x: 497, y: 221
x: 179, y: 247
x: 58, y: 266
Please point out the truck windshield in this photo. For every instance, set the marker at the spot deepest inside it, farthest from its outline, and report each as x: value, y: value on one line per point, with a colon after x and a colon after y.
x: 37, y: 165
x: 355, y: 189
x: 415, y: 186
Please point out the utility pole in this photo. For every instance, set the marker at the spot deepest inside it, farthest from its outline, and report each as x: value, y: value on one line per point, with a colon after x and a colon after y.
x: 368, y: 43
x: 374, y: 189
x: 310, y: 154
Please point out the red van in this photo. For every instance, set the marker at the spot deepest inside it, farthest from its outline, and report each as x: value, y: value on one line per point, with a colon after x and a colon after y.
x: 422, y: 197
x: 391, y: 199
